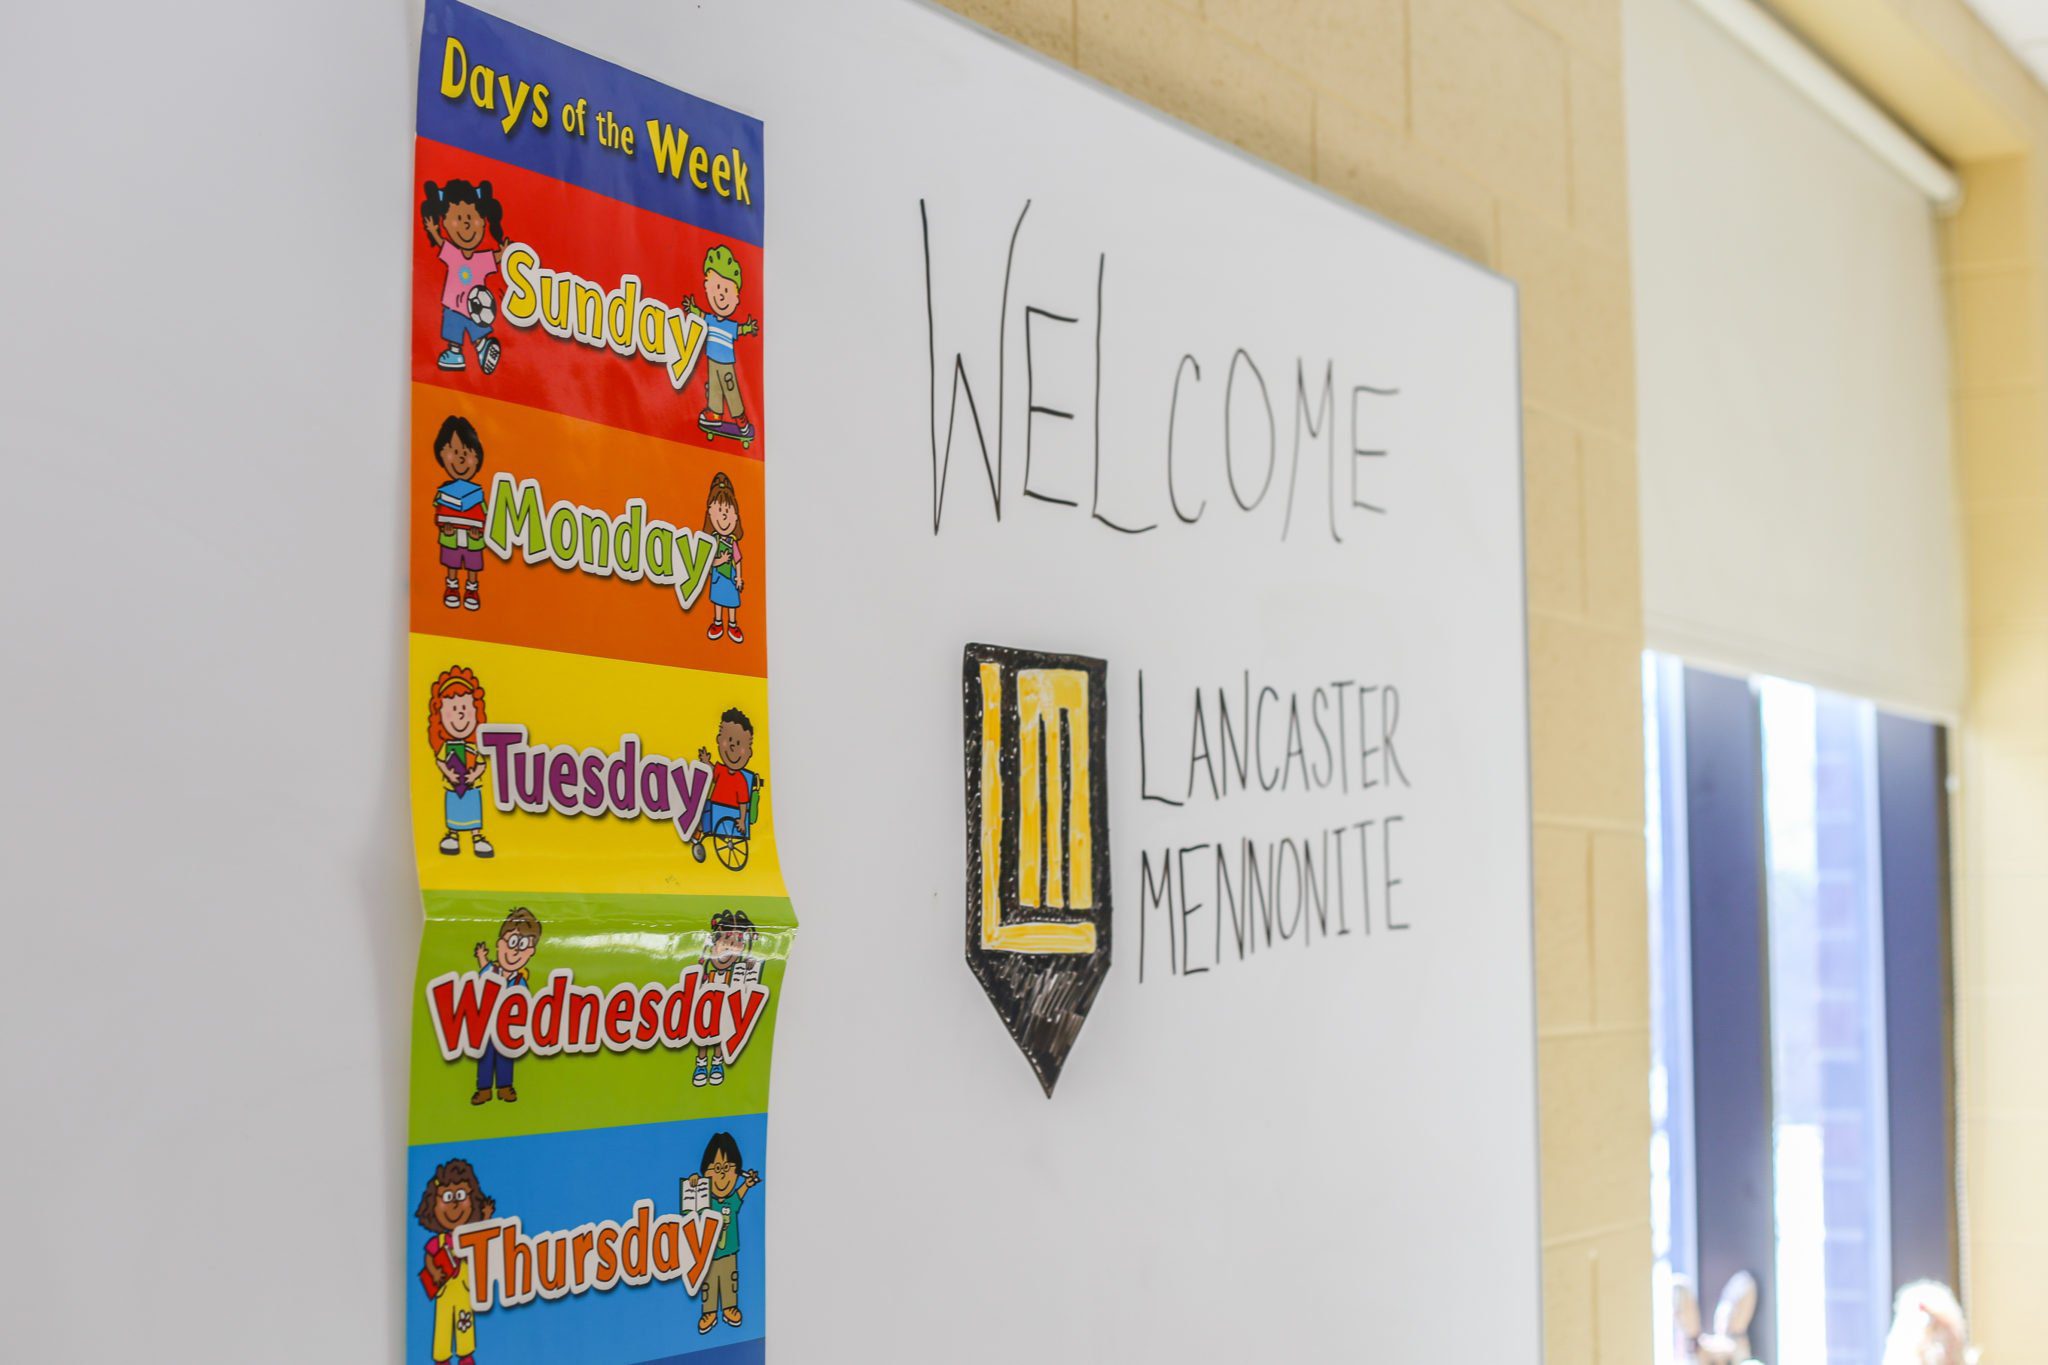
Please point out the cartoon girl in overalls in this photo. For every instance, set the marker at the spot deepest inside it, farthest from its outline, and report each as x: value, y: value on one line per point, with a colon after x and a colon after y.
x: 452, y: 1200
x: 455, y: 710
x: 722, y: 523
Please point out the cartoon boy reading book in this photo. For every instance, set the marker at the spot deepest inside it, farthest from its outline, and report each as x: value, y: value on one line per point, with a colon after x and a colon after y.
x: 725, y: 957
x: 720, y: 1185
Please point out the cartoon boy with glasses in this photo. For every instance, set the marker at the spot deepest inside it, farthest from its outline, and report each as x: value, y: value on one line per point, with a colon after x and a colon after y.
x: 518, y: 940
x: 726, y: 1185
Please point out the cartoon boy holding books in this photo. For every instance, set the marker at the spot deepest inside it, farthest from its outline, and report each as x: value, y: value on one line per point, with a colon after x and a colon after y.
x: 459, y: 510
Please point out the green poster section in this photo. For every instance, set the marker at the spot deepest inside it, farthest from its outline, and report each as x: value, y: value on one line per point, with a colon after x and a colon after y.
x: 603, y: 941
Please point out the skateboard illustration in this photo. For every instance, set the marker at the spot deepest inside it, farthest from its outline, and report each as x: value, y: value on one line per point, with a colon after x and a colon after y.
x: 715, y: 427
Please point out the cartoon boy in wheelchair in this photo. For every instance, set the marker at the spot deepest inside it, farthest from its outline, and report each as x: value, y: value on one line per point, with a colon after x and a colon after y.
x: 735, y: 802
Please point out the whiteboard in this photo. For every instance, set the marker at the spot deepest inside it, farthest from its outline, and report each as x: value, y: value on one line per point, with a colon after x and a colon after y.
x: 1323, y: 1150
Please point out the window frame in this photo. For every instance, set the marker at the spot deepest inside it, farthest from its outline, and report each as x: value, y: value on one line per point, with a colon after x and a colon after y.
x: 1919, y: 985
x: 1715, y: 892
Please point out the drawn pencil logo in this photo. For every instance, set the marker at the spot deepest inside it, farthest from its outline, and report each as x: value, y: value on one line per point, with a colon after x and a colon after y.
x: 1038, y: 903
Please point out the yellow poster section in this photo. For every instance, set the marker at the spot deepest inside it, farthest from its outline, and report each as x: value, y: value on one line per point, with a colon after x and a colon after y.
x: 588, y: 705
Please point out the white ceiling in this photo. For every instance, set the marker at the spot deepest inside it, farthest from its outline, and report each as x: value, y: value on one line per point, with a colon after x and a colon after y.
x: 2023, y: 24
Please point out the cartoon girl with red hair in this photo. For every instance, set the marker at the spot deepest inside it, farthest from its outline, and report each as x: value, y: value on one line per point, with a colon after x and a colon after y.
x: 455, y: 710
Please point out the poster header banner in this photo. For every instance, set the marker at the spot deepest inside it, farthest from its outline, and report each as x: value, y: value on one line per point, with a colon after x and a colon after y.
x: 500, y: 91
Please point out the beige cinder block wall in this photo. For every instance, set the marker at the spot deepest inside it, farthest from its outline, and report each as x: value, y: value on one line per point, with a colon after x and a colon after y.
x: 1945, y: 75
x: 1996, y: 250
x: 1495, y: 127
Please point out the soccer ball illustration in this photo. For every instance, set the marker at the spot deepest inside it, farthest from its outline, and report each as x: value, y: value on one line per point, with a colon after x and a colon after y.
x: 483, y: 309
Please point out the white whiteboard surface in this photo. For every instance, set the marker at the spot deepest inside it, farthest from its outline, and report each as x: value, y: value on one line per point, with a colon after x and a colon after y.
x: 1321, y: 1153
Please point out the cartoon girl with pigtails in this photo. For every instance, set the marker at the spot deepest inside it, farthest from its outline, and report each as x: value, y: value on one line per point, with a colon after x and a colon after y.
x: 455, y: 711
x: 452, y: 1200
x: 458, y: 217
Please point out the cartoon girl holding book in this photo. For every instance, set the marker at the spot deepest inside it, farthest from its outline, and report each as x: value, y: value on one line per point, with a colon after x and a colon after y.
x: 452, y: 1199
x: 455, y: 710
x: 722, y: 523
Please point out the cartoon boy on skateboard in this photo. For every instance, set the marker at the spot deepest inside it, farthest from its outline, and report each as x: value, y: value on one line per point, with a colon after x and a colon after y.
x: 725, y: 413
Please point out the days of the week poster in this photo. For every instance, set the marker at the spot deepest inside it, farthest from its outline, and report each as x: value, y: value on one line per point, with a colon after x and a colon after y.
x: 591, y: 769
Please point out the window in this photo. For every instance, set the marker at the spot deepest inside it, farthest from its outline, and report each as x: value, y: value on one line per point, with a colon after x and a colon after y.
x: 1824, y: 929
x: 1799, y: 1009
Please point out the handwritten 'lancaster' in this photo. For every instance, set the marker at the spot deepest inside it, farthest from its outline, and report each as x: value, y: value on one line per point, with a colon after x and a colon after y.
x: 1227, y: 393
x: 1228, y: 897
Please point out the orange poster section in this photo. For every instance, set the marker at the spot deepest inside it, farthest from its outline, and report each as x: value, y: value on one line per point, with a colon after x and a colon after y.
x: 564, y: 489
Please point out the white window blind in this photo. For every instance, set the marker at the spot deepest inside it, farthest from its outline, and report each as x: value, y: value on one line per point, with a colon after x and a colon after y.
x: 1799, y: 515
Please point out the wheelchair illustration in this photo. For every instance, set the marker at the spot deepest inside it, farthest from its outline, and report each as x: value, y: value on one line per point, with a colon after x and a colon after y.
x: 730, y: 827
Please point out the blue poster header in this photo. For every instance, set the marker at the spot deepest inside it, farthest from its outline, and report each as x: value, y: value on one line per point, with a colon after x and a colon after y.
x: 493, y: 88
